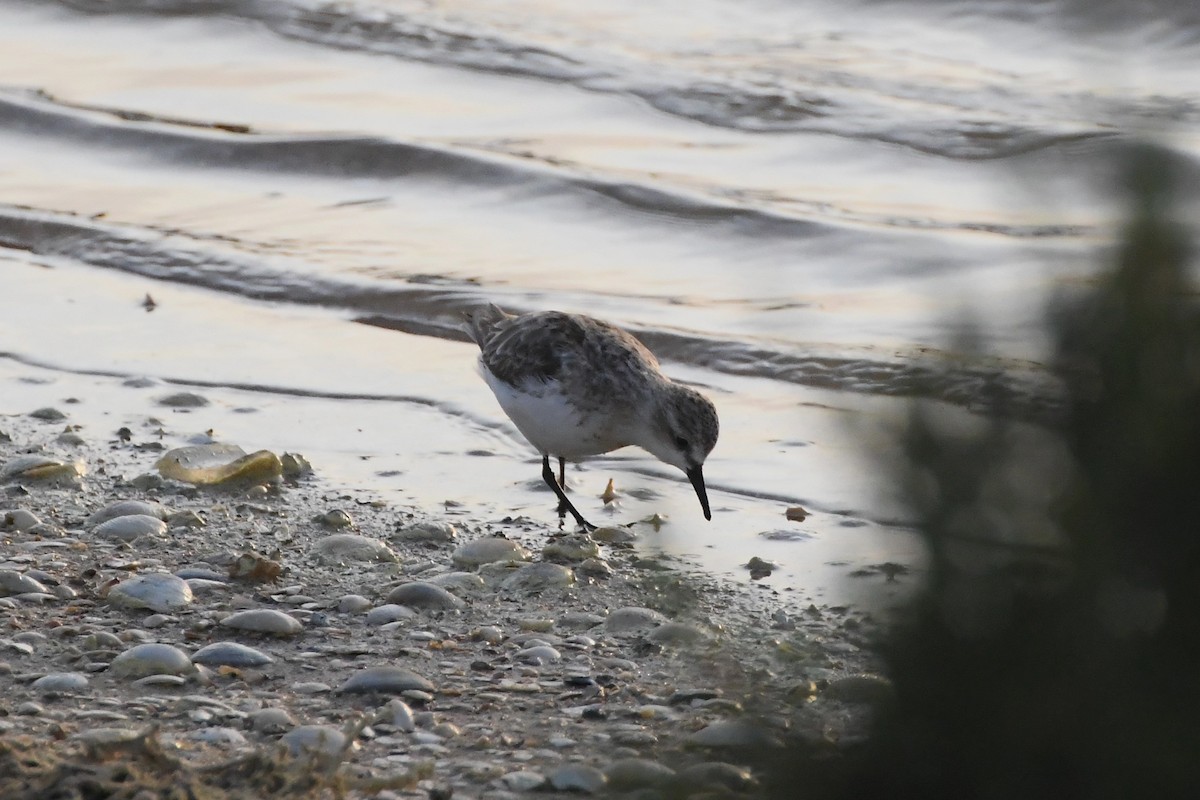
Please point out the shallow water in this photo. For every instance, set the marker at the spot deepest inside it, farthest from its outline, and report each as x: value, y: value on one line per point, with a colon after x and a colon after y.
x: 792, y: 203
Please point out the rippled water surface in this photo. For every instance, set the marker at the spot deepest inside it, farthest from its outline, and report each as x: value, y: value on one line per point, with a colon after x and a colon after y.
x: 793, y: 203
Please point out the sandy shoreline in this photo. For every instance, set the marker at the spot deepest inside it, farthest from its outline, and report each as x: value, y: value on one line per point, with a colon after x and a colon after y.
x: 586, y: 666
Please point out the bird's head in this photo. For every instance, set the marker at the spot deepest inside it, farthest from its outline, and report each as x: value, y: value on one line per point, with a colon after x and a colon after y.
x: 683, y: 433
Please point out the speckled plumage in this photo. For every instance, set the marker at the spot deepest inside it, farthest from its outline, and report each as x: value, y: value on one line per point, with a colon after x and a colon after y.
x: 576, y: 386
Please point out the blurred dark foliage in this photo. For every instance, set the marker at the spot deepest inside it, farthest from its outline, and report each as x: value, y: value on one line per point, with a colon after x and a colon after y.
x: 1054, y: 651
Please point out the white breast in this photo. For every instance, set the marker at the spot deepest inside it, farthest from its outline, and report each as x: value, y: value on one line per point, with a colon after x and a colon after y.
x: 552, y: 424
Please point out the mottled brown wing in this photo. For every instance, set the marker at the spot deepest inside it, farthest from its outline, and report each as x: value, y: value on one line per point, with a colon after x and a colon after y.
x: 546, y: 345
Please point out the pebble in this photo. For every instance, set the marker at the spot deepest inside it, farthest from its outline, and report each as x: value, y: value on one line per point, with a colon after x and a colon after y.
x: 129, y: 527
x: 676, y: 633
x: 151, y: 659
x: 124, y: 508
x: 13, y: 582
x: 523, y: 780
x: 318, y: 740
x: 399, y: 715
x: 183, y: 400
x: 157, y: 591
x: 48, y: 414
x: 488, y: 551
x: 335, y: 518
x: 614, y: 535
x: 459, y: 581
x: 578, y: 778
x: 390, y: 680
x: 353, y: 604
x: 263, y: 620
x: 571, y: 548
x: 863, y: 688
x: 230, y: 654
x: 710, y: 775
x: 579, y: 620
x: 19, y: 520
x: 432, y: 531
x: 628, y: 774
x: 345, y: 547
x: 220, y: 465
x: 391, y: 612
x: 61, y: 683
x: 295, y: 466
x: 219, y: 735
x: 420, y: 594
x: 735, y: 733
x: 272, y: 720
x: 633, y: 620
x: 542, y: 654
x: 42, y: 469
x: 538, y: 577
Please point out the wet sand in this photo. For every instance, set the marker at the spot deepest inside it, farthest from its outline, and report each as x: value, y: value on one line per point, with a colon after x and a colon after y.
x: 588, y: 664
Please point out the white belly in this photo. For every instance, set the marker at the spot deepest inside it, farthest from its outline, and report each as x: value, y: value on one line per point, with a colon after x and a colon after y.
x: 553, y: 425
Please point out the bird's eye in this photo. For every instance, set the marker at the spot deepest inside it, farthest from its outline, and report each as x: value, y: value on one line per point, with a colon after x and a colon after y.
x: 681, y: 443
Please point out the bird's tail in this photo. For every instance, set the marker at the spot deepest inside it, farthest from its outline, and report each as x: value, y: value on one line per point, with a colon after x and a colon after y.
x: 482, y: 322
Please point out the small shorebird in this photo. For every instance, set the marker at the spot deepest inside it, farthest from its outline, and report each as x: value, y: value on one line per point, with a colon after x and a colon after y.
x: 576, y: 386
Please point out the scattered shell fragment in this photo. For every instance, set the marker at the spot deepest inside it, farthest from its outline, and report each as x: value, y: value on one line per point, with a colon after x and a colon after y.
x: 124, y: 508
x: 343, y: 547
x: 42, y: 469
x: 389, y: 680
x: 221, y: 465
x: 420, y: 594
x: 610, y: 492
x: 487, y: 551
x: 130, y: 527
x: 151, y: 659
x: 230, y: 654
x: 263, y: 620
x: 157, y: 591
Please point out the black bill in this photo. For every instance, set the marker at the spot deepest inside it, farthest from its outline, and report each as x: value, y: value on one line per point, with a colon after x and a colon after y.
x: 696, y: 476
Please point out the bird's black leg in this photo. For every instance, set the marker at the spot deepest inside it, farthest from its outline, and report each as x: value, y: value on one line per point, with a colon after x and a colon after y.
x: 548, y: 476
x: 562, y: 481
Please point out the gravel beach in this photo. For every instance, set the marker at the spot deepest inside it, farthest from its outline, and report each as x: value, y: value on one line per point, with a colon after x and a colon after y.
x: 274, y: 635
